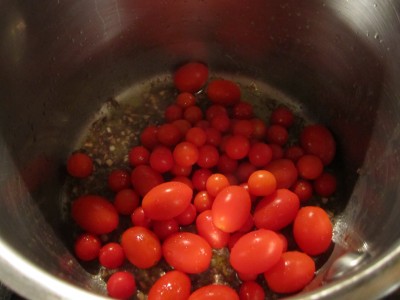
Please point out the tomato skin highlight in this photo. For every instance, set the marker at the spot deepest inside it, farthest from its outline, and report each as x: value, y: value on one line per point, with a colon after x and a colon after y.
x: 224, y: 92
x: 231, y: 208
x: 167, y: 200
x: 95, y: 214
x: 174, y: 285
x: 291, y: 273
x: 277, y: 210
x: 191, y: 77
x: 256, y: 252
x: 187, y: 252
x: 312, y: 230
x: 141, y: 246
x: 214, y: 292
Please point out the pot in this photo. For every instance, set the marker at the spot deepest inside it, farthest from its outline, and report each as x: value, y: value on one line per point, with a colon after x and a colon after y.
x: 61, y: 60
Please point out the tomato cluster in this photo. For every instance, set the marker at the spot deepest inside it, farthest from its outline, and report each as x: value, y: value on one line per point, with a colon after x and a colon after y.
x: 219, y: 169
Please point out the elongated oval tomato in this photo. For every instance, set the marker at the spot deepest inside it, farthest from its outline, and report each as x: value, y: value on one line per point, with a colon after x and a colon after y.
x: 276, y: 211
x: 231, y: 208
x: 224, y: 92
x: 141, y: 246
x: 167, y: 200
x: 285, y: 172
x: 214, y: 292
x: 187, y: 252
x: 144, y: 178
x: 95, y: 214
x: 213, y: 235
x: 190, y: 77
x: 256, y: 252
x: 312, y: 230
x: 174, y: 285
x: 291, y: 273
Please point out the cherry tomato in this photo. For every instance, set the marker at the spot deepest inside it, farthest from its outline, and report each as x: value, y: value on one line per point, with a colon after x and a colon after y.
x: 231, y: 208
x: 277, y: 151
x: 138, y: 218
x: 303, y: 189
x: 187, y: 252
x: 285, y: 172
x: 208, y: 156
x: 243, y: 127
x: 167, y: 200
x: 244, y: 170
x: 138, y: 155
x: 191, y: 77
x: 282, y: 116
x: 173, y: 112
x: 193, y: 114
x: 126, y: 201
x: 294, y: 153
x: 318, y: 140
x: 224, y: 92
x: 95, y: 214
x: 184, y: 180
x: 144, y: 178
x: 233, y: 238
x: 312, y: 230
x: 325, y: 185
x: 79, y: 165
x: 118, y: 180
x: 242, y: 110
x: 215, y: 110
x: 277, y: 210
x: 277, y: 134
x: 182, y: 125
x: 121, y: 285
x: 203, y: 201
x: 188, y: 216
x: 261, y: 183
x: 111, y: 255
x: 87, y: 247
x: 178, y: 170
x: 185, y: 100
x: 309, y: 166
x: 215, y: 183
x: 174, y: 285
x: 213, y: 136
x: 221, y: 122
x: 196, y: 136
x: 186, y: 154
x: 237, y: 147
x: 259, y: 129
x: 256, y: 252
x: 141, y: 246
x: 226, y: 164
x: 260, y: 154
x: 168, y: 135
x: 214, y: 292
x: 206, y: 229
x: 199, y: 178
x: 164, y: 229
x: 291, y: 273
x: 251, y: 290
x: 148, y: 137
x: 161, y: 159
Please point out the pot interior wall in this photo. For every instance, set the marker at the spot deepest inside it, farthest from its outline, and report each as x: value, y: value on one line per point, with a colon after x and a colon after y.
x: 62, y: 60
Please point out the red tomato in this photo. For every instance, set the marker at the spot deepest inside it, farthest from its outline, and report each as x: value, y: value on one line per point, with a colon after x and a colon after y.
x: 186, y: 154
x: 231, y: 208
x: 173, y: 112
x: 221, y: 122
x: 182, y: 125
x: 187, y: 252
x: 294, y: 153
x: 79, y: 165
x: 214, y: 292
x: 312, y: 230
x: 196, y: 136
x: 167, y: 200
x: 161, y: 159
x: 118, y: 180
x: 191, y: 77
x: 164, y: 229
x: 148, y: 137
x: 277, y: 210
x: 277, y: 151
x: 282, y: 116
x: 261, y: 183
x: 188, y: 216
x: 111, y: 255
x: 277, y: 134
x: 260, y: 154
x: 144, y: 178
x: 215, y: 110
x: 237, y: 147
x: 251, y: 290
x: 193, y: 114
x: 185, y: 100
x: 138, y: 155
x: 168, y: 134
x: 121, y: 285
x: 206, y: 229
x: 226, y: 164
x: 291, y: 273
x: 285, y: 172
x: 95, y: 214
x: 244, y: 170
x: 303, y: 189
x: 203, y: 201
x: 309, y: 166
x: 215, y: 183
x: 178, y: 170
x: 259, y: 129
x: 87, y: 247
x: 208, y: 156
x: 199, y: 178
x: 318, y: 140
x: 224, y: 92
x: 141, y: 246
x: 256, y: 252
x: 242, y: 110
x: 325, y: 185
x: 174, y: 285
x: 126, y: 201
x: 243, y: 127
x: 138, y: 218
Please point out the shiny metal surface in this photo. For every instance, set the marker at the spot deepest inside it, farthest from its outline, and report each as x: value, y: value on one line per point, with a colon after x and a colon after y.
x: 60, y: 60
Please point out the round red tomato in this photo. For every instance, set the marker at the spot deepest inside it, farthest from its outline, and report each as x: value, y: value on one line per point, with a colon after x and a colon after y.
x: 126, y: 201
x: 87, y: 247
x: 325, y: 185
x: 187, y: 252
x: 224, y: 92
x: 251, y: 290
x: 285, y: 172
x: 141, y: 246
x: 174, y: 285
x: 111, y: 255
x: 118, y: 180
x: 261, y: 183
x: 256, y: 252
x: 312, y: 230
x: 231, y: 208
x: 144, y: 178
x: 214, y: 292
x: 121, y: 285
x: 167, y: 200
x: 191, y: 77
x: 277, y: 210
x: 309, y: 166
x: 79, y: 165
x: 237, y: 146
x: 206, y: 228
x: 95, y: 214
x: 318, y: 140
x: 291, y: 273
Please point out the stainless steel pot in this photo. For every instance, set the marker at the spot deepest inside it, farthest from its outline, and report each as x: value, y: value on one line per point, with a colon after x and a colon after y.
x: 61, y: 59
